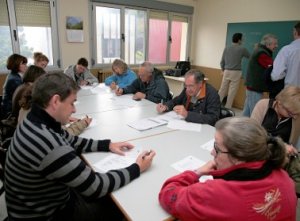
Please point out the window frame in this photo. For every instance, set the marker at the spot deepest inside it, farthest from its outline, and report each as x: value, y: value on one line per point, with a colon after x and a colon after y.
x: 13, y: 27
x: 122, y: 8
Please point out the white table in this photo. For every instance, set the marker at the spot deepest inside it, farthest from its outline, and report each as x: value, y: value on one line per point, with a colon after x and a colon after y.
x: 113, y: 124
x: 95, y: 103
x: 139, y: 199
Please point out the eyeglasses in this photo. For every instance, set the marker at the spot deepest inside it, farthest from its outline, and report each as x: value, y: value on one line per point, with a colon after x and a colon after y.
x: 290, y: 114
x: 217, y: 149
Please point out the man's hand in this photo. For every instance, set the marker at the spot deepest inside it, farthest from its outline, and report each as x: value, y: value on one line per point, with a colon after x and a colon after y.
x: 138, y: 96
x: 160, y: 108
x: 179, y: 109
x: 144, y: 160
x: 83, y: 83
x: 119, y: 91
x: 120, y: 147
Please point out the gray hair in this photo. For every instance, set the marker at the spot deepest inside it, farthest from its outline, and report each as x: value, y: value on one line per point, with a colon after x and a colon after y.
x: 246, y: 140
x: 268, y: 39
x: 198, y: 75
x: 149, y: 67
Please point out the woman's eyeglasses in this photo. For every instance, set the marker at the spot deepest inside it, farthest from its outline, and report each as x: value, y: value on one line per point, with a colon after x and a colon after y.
x: 217, y: 149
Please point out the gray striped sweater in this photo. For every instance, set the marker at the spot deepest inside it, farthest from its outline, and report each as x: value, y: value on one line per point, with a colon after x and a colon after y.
x: 43, y: 164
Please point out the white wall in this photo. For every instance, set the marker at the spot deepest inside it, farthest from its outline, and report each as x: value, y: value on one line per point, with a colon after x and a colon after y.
x: 71, y: 52
x: 213, y: 16
x: 209, y: 24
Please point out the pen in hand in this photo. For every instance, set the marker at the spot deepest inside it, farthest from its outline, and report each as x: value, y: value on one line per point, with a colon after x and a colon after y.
x: 146, y: 154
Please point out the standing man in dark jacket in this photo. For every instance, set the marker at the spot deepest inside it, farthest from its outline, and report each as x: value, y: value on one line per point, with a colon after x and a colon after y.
x: 198, y: 102
x: 150, y: 85
x: 255, y: 82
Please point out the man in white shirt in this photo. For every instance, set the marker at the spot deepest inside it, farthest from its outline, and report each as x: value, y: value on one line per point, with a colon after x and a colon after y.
x: 287, y: 61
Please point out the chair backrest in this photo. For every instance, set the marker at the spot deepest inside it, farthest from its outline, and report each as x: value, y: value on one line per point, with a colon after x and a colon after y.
x: 226, y: 112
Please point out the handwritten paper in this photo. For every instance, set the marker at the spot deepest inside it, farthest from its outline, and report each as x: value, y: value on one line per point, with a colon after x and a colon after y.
x: 183, y: 125
x: 208, y: 145
x: 115, y: 161
x: 188, y: 163
x: 191, y: 163
x: 169, y: 116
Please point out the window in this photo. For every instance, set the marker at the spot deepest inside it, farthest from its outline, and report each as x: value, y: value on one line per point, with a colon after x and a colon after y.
x: 32, y: 28
x: 178, y: 46
x: 158, y: 37
x: 135, y: 36
x: 138, y: 34
x: 5, y: 40
x: 108, y: 34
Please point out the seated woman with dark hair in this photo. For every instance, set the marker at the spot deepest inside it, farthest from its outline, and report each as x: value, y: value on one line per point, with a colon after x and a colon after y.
x: 31, y: 74
x: 17, y: 64
x: 248, y: 180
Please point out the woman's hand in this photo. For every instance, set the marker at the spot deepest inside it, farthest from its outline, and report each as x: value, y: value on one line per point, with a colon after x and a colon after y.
x: 206, y: 168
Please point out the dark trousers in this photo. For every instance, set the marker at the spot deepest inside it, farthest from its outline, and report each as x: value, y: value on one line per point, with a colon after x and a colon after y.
x: 97, y: 210
x: 78, y: 209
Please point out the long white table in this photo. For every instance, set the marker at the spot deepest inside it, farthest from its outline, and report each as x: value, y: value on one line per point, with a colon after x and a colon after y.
x: 139, y: 199
x: 113, y: 124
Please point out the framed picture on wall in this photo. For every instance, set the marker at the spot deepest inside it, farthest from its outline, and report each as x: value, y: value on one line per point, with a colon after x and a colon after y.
x: 74, y: 27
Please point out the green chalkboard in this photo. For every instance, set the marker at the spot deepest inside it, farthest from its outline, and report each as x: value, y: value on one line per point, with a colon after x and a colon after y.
x: 254, y: 31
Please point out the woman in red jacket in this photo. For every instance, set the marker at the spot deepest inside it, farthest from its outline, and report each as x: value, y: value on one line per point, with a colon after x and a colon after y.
x: 248, y: 183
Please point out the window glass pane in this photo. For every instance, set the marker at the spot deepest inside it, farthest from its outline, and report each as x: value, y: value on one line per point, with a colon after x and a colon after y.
x: 179, y: 40
x: 5, y: 39
x: 107, y: 34
x: 135, y: 36
x: 34, y: 28
x: 158, y: 30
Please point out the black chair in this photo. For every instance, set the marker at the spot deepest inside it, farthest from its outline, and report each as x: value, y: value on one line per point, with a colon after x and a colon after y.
x: 226, y: 112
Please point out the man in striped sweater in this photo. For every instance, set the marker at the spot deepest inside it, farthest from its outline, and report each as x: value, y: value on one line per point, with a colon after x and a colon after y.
x: 45, y: 179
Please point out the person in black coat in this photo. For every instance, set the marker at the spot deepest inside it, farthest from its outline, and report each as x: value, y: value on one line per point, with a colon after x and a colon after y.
x: 18, y: 65
x: 198, y: 102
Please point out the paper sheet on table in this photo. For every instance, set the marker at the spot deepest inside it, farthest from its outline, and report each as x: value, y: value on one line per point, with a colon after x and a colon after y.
x: 183, y: 125
x: 208, y: 145
x: 115, y: 161
x: 191, y: 163
x: 188, y: 163
x: 147, y: 123
x: 169, y: 116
